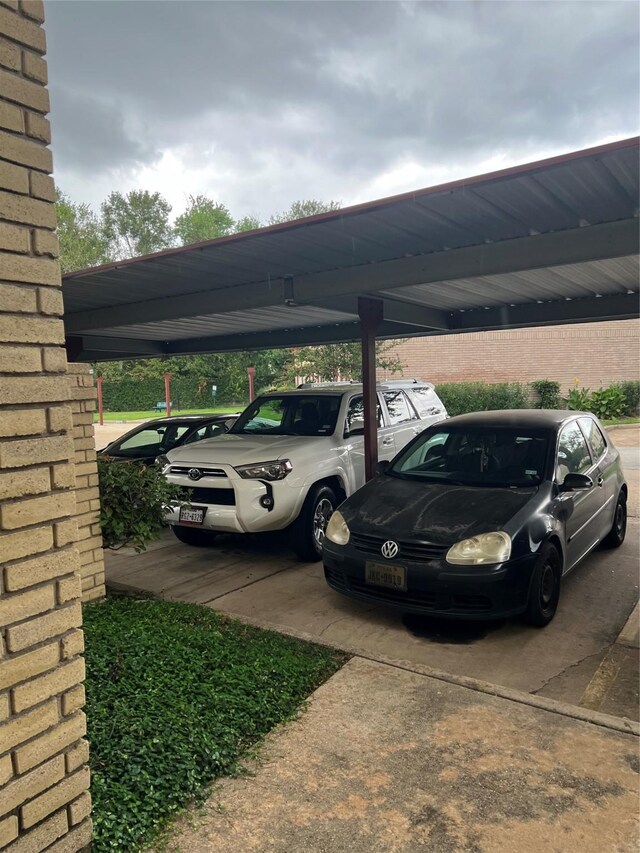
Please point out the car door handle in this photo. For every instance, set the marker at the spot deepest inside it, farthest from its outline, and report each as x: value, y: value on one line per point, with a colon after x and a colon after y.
x: 600, y: 480
x: 386, y: 442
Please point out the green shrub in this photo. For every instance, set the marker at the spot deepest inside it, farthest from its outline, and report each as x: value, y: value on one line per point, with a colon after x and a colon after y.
x: 631, y: 391
x: 132, y: 497
x: 176, y: 694
x: 608, y: 403
x: 462, y: 397
x: 579, y: 400
x: 138, y: 395
x: 548, y: 394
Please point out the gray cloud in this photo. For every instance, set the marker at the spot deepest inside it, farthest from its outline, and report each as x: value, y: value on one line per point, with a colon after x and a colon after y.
x: 289, y: 100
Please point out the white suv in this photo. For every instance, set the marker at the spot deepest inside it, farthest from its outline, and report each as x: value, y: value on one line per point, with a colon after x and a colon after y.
x: 290, y: 459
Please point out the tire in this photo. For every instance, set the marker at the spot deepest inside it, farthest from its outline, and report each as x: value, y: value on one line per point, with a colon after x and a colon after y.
x: 615, y: 537
x: 193, y: 536
x: 308, y: 529
x: 544, y: 592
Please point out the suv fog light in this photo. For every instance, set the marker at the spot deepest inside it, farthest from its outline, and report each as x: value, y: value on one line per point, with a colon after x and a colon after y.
x: 266, y: 501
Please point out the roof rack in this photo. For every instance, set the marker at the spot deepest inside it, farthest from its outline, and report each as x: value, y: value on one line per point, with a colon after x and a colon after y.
x: 385, y: 383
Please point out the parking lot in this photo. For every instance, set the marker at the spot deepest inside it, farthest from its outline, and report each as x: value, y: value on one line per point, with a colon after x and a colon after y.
x: 258, y: 579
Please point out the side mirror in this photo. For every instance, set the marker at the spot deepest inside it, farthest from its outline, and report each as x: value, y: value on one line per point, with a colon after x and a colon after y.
x: 576, y: 483
x: 382, y: 466
x: 356, y: 428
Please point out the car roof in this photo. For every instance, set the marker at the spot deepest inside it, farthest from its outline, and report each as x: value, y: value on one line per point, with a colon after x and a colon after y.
x: 540, y: 418
x: 309, y: 389
x: 188, y: 419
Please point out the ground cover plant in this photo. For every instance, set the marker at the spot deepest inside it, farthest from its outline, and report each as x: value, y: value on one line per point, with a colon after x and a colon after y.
x: 176, y: 694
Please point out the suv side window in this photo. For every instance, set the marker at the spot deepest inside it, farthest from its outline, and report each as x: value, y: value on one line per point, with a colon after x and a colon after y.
x: 355, y: 412
x: 594, y: 437
x: 400, y: 409
x: 573, y: 453
x: 426, y: 401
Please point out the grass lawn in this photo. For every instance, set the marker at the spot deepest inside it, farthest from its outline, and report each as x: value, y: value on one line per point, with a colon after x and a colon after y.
x: 176, y: 695
x: 618, y: 421
x: 142, y: 416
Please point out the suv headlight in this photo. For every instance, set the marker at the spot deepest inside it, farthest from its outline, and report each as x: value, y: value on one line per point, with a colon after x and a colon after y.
x: 162, y: 461
x: 337, y: 530
x: 479, y: 550
x: 276, y: 470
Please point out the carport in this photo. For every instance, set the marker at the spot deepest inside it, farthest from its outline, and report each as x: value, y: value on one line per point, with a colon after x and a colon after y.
x: 555, y: 241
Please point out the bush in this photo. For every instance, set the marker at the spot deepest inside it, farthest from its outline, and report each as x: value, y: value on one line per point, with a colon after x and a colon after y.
x: 548, y: 394
x: 176, y: 694
x: 579, y: 400
x: 128, y: 395
x: 631, y: 391
x: 608, y: 403
x: 132, y: 497
x: 462, y: 397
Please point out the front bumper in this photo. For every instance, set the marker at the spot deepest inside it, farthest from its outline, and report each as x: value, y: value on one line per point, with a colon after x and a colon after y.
x: 434, y: 586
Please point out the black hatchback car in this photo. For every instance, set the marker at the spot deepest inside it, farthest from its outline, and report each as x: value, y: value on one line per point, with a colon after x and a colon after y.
x: 158, y: 436
x: 481, y: 516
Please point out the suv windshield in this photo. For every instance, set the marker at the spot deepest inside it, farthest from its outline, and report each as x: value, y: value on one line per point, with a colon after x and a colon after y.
x: 290, y: 414
x: 476, y: 456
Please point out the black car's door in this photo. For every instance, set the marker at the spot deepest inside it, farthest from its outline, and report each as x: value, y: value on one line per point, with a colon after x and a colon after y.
x: 606, y: 459
x: 579, y: 509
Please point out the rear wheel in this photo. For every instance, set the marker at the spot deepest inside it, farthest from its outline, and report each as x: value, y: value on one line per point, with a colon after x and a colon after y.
x: 545, y: 587
x: 615, y: 537
x: 192, y: 535
x: 310, y: 526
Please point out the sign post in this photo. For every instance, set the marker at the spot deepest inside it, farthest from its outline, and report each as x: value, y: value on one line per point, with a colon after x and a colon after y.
x: 251, y: 373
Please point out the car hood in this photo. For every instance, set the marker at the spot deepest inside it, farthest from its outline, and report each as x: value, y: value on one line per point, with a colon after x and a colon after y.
x: 443, y: 514
x: 235, y: 450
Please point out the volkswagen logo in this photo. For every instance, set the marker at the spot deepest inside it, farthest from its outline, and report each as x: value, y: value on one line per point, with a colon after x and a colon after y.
x: 194, y: 473
x: 390, y: 549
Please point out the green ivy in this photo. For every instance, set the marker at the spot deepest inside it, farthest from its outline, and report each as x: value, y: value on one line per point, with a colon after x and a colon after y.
x: 132, y: 498
x: 176, y: 694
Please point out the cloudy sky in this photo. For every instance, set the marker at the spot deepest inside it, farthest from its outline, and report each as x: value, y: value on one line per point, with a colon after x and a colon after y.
x: 260, y: 103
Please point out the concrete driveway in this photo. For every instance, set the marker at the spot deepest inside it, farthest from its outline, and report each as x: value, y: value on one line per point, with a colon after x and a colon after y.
x: 257, y: 579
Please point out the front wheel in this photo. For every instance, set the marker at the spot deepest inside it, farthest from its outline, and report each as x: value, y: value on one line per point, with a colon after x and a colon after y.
x: 193, y: 535
x: 310, y: 526
x: 615, y: 537
x: 545, y: 588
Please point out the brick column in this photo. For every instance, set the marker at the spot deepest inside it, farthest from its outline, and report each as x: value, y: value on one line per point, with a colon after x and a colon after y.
x: 44, y: 799
x: 83, y: 403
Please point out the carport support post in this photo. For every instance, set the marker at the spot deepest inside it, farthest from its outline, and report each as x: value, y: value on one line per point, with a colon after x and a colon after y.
x: 370, y: 313
x: 167, y: 393
x: 100, y: 406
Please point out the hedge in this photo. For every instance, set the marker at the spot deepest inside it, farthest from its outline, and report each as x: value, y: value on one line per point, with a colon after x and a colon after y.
x: 462, y: 397
x: 187, y: 392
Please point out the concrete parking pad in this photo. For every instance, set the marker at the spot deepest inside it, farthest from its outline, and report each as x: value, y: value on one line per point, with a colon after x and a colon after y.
x: 389, y: 760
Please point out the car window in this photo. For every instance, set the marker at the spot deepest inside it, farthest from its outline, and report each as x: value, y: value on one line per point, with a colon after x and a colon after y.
x: 355, y: 412
x: 303, y: 414
x: 594, y: 436
x: 150, y: 440
x: 426, y: 401
x: 205, y: 431
x: 573, y: 453
x: 399, y: 408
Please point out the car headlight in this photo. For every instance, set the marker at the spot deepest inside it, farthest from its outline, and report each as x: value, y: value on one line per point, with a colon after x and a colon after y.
x: 276, y: 470
x: 479, y: 550
x: 337, y: 530
x: 162, y: 461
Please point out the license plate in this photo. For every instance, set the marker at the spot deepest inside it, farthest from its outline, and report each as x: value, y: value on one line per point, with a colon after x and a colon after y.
x: 192, y: 515
x: 381, y: 574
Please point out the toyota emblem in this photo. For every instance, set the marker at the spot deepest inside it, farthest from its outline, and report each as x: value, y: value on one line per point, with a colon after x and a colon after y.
x: 194, y: 473
x: 390, y: 549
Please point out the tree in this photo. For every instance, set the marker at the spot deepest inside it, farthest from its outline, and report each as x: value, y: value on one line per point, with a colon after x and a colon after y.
x: 334, y: 362
x: 82, y: 240
x: 302, y: 208
x: 247, y: 223
x: 203, y: 219
x: 136, y: 223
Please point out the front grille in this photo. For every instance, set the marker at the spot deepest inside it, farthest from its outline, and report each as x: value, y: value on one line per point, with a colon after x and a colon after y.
x: 414, y: 597
x: 471, y: 603
x: 204, y: 472
x: 408, y: 550
x: 335, y: 579
x: 222, y: 497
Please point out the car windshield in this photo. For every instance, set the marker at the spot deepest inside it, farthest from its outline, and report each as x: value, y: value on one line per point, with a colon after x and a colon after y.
x: 150, y: 440
x: 294, y: 414
x: 476, y: 456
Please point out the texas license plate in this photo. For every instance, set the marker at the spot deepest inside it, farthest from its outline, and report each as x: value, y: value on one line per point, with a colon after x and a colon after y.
x: 192, y: 515
x: 381, y: 574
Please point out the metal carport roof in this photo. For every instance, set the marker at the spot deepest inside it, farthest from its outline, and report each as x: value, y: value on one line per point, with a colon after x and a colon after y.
x: 554, y: 241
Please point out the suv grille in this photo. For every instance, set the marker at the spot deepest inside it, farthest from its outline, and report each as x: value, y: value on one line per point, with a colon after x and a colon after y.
x: 222, y: 497
x: 408, y: 550
x: 204, y: 472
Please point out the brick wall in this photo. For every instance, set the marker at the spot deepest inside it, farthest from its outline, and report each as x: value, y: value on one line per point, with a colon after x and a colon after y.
x: 83, y: 402
x: 597, y: 354
x: 44, y: 802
